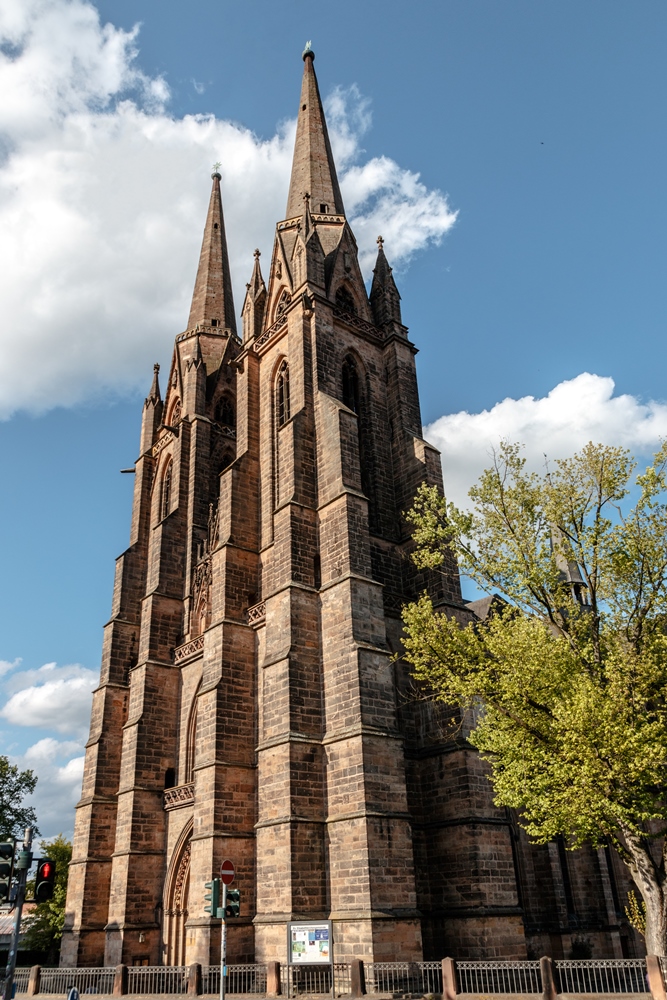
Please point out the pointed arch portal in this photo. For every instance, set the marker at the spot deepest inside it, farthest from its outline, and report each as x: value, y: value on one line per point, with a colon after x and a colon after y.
x: 177, y: 888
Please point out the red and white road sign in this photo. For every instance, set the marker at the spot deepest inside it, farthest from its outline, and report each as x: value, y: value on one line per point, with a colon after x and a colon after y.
x: 227, y: 872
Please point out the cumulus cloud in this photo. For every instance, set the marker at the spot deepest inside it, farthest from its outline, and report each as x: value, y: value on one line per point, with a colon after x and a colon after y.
x: 53, y: 698
x: 7, y: 665
x: 58, y: 765
x: 103, y: 195
x: 576, y: 411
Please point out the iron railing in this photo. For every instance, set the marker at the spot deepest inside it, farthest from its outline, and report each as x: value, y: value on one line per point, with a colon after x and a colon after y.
x: 239, y: 979
x: 499, y: 977
x: 304, y: 979
x: 157, y: 979
x: 21, y: 977
x: 403, y: 977
x: 601, y: 975
x: 93, y: 980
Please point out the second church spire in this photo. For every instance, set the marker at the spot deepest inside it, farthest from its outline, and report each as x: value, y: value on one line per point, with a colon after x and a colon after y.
x: 313, y: 170
x: 212, y: 300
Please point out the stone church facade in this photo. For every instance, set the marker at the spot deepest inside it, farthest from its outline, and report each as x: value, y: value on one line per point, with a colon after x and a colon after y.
x: 250, y: 704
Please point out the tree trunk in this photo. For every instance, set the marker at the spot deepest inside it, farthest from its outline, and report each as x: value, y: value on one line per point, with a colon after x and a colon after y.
x: 649, y: 878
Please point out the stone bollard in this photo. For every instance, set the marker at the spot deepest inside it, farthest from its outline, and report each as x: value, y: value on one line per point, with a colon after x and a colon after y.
x: 120, y: 981
x: 273, y: 979
x: 449, y: 984
x: 357, y: 978
x: 549, y: 991
x: 656, y: 983
x: 194, y: 980
x: 34, y: 980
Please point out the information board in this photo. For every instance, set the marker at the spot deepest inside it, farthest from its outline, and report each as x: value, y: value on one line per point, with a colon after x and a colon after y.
x: 309, y: 943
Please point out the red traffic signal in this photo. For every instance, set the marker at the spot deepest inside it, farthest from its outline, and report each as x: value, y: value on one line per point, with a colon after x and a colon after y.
x: 45, y: 880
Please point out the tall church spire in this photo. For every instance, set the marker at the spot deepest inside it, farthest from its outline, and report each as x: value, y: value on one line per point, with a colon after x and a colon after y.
x: 212, y: 300
x: 313, y: 170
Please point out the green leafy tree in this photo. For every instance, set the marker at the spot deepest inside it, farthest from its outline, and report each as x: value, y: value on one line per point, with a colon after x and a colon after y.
x: 45, y: 923
x: 565, y: 684
x: 14, y: 786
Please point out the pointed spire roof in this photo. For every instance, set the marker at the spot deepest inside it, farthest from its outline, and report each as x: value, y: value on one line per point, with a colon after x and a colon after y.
x: 212, y: 298
x: 256, y: 284
x: 313, y: 170
x: 384, y: 297
x: 154, y: 395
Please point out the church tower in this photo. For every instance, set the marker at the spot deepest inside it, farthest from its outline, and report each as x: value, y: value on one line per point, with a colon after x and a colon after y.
x: 250, y: 703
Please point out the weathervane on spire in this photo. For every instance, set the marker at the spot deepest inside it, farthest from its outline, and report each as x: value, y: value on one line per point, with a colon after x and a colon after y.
x: 216, y: 169
x: 308, y: 51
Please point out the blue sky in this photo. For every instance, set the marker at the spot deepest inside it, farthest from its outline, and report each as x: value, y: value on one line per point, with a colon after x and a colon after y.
x: 512, y: 154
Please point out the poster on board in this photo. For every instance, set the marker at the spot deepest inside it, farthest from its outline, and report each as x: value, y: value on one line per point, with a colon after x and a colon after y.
x: 309, y: 943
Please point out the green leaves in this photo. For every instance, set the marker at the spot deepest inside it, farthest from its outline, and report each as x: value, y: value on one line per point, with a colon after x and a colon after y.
x: 572, y: 670
x: 14, y: 786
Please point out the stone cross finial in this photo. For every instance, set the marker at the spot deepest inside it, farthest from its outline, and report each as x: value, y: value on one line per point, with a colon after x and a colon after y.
x: 380, y: 242
x: 257, y: 254
x: 156, y: 368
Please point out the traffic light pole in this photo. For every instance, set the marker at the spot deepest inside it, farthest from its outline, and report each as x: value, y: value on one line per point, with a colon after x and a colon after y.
x: 22, y: 866
x: 223, y: 941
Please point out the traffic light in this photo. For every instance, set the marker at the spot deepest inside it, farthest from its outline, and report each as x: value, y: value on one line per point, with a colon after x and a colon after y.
x: 233, y: 903
x: 6, y: 869
x: 45, y: 880
x: 212, y: 897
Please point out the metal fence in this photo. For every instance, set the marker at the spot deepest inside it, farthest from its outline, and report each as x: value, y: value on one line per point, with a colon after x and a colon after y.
x: 157, y: 979
x: 21, y: 977
x: 303, y: 979
x: 403, y: 977
x: 239, y: 979
x: 601, y: 975
x: 499, y: 977
x: 93, y: 980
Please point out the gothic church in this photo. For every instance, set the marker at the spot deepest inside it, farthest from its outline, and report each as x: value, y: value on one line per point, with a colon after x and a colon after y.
x: 250, y: 703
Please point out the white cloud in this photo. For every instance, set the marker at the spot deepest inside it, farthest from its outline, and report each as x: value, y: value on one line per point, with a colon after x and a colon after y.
x: 103, y: 196
x: 58, y: 765
x: 576, y: 411
x: 7, y: 665
x: 53, y: 698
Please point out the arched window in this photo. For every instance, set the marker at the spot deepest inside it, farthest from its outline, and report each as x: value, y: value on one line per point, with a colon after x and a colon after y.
x: 351, y: 385
x: 345, y: 301
x: 282, y: 394
x: 191, y: 738
x: 165, y: 498
x: 225, y: 414
x: 175, y: 415
x: 283, y: 304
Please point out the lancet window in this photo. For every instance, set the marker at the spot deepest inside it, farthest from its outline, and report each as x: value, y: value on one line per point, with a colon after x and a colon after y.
x: 225, y: 413
x: 282, y: 394
x: 165, y: 497
x: 345, y: 301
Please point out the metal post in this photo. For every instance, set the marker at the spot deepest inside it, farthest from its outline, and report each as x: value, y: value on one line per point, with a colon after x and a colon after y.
x: 223, y: 942
x: 23, y: 867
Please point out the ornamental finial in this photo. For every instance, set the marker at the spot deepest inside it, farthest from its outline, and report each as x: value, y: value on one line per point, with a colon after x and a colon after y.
x: 257, y: 254
x: 308, y: 51
x: 380, y: 242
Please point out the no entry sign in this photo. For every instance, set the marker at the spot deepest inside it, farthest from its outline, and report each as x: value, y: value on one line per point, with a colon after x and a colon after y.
x: 227, y: 872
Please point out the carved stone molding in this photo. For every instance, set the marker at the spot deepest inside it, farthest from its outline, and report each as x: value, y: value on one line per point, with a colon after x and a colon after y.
x: 358, y: 323
x: 266, y: 336
x: 257, y: 614
x: 188, y: 649
x: 173, y: 798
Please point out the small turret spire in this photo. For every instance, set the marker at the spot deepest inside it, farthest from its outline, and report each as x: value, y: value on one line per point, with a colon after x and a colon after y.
x: 255, y: 302
x: 313, y: 169
x: 212, y: 300
x: 154, y: 394
x: 385, y: 300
